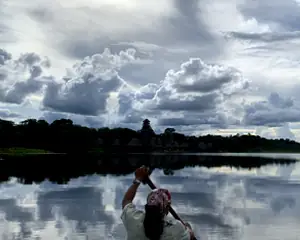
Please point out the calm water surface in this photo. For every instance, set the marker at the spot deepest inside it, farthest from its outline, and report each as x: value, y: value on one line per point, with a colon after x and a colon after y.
x: 220, y: 203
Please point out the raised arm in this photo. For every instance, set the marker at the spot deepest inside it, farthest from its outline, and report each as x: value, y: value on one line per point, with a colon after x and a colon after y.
x: 130, y: 194
x: 140, y: 175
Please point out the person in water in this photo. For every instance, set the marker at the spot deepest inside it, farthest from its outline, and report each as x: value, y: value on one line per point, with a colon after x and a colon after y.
x: 153, y: 223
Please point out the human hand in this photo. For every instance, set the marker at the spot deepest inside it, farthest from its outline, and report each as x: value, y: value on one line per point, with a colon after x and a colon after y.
x: 142, y: 173
x: 192, y: 235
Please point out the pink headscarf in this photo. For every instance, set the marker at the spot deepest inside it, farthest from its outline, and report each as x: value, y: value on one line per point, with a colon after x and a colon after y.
x: 159, y: 197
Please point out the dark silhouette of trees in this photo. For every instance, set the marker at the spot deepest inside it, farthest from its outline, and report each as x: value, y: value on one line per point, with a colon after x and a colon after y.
x: 7, y: 131
x: 107, y: 151
x: 63, y: 136
x: 168, y: 135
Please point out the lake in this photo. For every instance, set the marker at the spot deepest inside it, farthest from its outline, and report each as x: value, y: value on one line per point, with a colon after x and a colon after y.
x: 219, y: 202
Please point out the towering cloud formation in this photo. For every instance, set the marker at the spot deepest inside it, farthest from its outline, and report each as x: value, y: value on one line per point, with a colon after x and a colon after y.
x: 195, y: 94
x: 88, y: 84
x: 20, y: 77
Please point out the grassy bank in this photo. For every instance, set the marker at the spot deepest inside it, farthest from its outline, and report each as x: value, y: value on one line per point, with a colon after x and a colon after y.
x: 21, y: 151
x: 34, y: 151
x: 96, y: 150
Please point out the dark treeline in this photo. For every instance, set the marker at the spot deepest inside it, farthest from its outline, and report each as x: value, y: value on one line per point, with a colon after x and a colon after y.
x: 36, y: 168
x: 64, y: 136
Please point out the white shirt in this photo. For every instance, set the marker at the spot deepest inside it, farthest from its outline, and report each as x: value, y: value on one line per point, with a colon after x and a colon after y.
x: 133, y: 221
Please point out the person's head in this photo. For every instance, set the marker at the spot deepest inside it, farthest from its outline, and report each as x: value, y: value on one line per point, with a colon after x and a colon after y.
x: 157, y: 207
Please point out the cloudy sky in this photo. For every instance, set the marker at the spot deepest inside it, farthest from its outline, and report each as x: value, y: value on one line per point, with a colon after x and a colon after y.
x: 200, y: 66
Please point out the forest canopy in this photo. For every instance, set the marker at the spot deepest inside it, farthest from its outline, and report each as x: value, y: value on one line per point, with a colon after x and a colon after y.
x: 64, y: 136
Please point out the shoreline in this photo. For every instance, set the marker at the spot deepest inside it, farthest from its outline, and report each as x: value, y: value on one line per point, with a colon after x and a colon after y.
x: 28, y: 152
x: 62, y: 168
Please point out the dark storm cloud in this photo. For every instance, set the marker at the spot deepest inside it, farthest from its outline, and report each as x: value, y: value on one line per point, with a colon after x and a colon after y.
x: 21, y: 90
x: 87, y: 91
x: 195, y: 103
x: 4, y: 56
x: 279, y: 102
x: 29, y: 59
x: 82, y: 97
x: 5, y: 113
x: 15, y: 89
x: 273, y: 112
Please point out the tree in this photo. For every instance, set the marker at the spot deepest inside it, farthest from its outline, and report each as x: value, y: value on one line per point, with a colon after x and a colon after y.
x: 7, y: 133
x: 168, y: 135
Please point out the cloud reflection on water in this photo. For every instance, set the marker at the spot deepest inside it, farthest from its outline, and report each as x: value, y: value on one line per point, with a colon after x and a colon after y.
x: 221, y: 203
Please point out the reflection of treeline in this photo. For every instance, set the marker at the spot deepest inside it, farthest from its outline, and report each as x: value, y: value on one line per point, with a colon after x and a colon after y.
x: 64, y: 136
x: 61, y: 168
